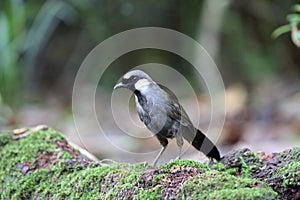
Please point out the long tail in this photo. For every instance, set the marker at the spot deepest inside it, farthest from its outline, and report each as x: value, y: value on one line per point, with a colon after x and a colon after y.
x: 204, y: 144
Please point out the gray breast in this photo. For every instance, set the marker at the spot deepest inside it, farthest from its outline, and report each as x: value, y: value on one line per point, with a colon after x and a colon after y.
x: 153, y: 110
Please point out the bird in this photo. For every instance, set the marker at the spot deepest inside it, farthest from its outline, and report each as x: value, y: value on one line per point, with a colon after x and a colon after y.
x: 159, y: 109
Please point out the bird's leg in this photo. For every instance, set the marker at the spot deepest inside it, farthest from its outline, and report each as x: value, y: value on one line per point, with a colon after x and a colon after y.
x: 179, y: 153
x: 164, y: 143
x: 179, y: 141
x: 159, y: 154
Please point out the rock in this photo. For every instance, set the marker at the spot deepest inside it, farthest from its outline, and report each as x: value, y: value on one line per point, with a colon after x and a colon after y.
x: 40, y: 163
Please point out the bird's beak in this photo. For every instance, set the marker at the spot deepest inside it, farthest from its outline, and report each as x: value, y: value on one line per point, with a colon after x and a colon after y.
x: 119, y: 85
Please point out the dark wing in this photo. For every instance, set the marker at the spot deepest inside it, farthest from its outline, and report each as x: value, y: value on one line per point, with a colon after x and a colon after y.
x: 178, y: 112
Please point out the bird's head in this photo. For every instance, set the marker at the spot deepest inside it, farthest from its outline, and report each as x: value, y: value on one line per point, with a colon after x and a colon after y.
x: 134, y: 80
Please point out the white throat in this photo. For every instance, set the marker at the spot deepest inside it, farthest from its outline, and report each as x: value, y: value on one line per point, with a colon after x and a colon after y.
x: 141, y: 83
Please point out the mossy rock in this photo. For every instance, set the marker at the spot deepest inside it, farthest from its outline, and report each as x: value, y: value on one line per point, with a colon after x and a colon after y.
x: 217, y: 185
x: 41, y: 164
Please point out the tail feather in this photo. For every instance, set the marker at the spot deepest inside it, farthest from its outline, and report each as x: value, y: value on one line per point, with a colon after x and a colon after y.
x: 205, y: 145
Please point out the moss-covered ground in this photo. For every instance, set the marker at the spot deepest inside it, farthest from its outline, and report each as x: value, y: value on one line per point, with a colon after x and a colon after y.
x: 42, y: 165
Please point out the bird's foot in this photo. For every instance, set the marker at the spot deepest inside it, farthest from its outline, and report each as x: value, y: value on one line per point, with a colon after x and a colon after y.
x: 177, y: 158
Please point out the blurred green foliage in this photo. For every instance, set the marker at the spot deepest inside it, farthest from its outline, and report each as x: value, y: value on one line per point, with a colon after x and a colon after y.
x: 294, y: 21
x: 248, y: 54
x: 24, y: 30
x: 44, y: 42
x: 11, y: 22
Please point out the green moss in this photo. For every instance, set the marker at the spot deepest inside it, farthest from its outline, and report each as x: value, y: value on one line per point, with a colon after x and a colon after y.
x: 219, y: 167
x: 240, y: 193
x: 183, y: 163
x: 252, y: 159
x: 111, y: 182
x: 290, y: 174
x: 18, y: 154
x: 248, y: 162
x: 282, y: 155
x: 216, y: 185
x: 62, y: 179
x: 14, y: 153
x: 108, y: 182
x: 127, y: 177
x: 222, y: 168
x: 152, y: 194
x: 4, y: 139
x: 244, y: 163
x: 68, y: 178
x: 155, y: 189
x: 246, y: 173
x: 158, y: 177
x: 295, y: 154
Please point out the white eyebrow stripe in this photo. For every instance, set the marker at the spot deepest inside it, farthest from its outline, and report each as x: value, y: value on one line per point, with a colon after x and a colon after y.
x: 128, y: 75
x: 140, y: 83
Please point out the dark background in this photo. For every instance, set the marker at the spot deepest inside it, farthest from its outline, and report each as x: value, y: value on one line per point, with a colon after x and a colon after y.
x: 43, y: 44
